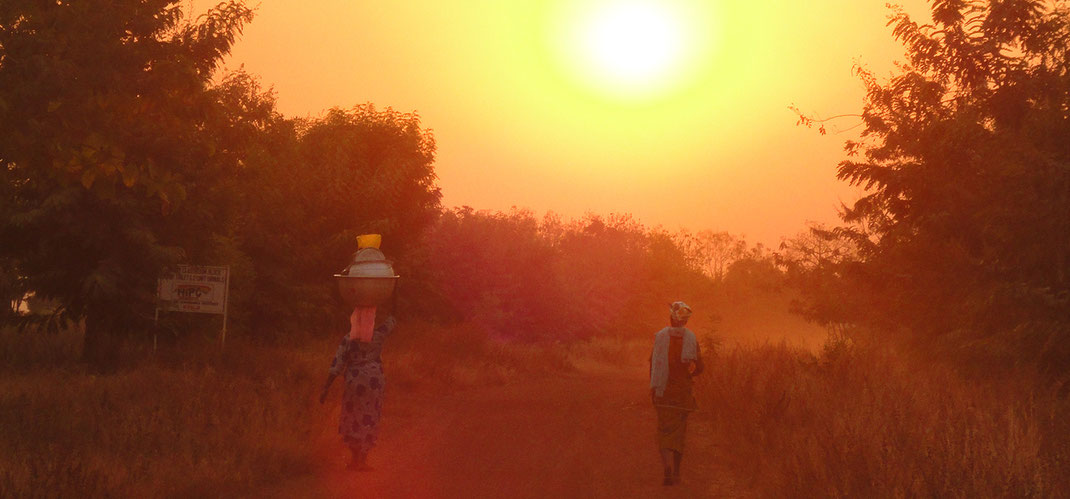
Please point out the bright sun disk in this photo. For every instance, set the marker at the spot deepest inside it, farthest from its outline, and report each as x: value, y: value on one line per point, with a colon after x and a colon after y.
x: 630, y: 48
x: 635, y: 42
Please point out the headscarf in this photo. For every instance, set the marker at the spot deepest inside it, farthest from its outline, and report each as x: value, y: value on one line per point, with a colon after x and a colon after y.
x: 679, y: 311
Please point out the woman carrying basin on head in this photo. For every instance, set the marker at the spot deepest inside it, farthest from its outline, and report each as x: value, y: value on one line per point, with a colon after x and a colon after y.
x: 674, y: 360
x: 359, y: 356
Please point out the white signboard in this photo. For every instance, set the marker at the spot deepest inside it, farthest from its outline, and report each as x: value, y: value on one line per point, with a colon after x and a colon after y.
x: 194, y: 288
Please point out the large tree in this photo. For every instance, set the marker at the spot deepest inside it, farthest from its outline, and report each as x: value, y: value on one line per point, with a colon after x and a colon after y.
x: 110, y: 149
x: 313, y: 186
x: 966, y: 156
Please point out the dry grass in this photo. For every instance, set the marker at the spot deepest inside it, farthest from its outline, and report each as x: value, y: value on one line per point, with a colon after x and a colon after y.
x: 464, y: 355
x: 608, y: 353
x: 172, y: 427
x: 194, y: 422
x: 861, y: 422
x: 849, y: 421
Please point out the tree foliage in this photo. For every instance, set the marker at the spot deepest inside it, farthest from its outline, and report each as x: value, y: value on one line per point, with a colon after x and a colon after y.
x: 712, y: 252
x: 965, y: 156
x: 317, y: 183
x: 520, y: 277
x: 105, y: 132
x: 123, y: 150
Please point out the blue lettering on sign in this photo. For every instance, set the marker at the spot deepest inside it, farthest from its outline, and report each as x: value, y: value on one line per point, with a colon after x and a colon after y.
x: 191, y: 291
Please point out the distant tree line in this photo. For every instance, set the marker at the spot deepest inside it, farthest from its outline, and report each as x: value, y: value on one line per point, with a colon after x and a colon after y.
x: 522, y: 277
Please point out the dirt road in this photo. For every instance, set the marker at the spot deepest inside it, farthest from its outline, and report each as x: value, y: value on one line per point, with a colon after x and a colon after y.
x: 587, y: 434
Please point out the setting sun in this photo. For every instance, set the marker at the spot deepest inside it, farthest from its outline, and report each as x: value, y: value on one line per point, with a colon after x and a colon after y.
x: 634, y: 42
x: 632, y: 48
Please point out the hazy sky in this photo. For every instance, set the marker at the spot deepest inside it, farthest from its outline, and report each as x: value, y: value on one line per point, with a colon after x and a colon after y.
x: 525, y: 114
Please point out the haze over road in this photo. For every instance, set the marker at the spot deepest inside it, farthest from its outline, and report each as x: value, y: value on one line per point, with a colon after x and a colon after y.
x: 588, y: 434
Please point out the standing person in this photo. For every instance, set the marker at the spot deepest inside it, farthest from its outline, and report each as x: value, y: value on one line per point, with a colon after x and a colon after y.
x: 674, y: 360
x: 359, y: 357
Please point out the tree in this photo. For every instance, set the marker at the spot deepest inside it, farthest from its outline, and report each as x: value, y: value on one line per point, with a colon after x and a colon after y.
x: 821, y: 264
x: 312, y: 186
x: 966, y: 157
x: 108, y: 149
x: 712, y: 252
x: 367, y: 170
x: 496, y: 271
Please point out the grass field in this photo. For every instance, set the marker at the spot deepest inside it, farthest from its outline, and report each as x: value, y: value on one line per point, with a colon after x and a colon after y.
x: 785, y: 422
x: 858, y: 422
x: 194, y: 421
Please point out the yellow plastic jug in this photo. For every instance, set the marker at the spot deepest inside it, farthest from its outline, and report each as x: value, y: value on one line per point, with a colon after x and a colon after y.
x: 369, y: 241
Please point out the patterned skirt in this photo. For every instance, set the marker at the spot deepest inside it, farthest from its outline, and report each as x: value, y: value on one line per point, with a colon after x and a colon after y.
x: 362, y: 404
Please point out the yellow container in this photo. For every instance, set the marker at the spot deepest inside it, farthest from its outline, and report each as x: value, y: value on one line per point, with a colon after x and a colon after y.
x: 369, y: 241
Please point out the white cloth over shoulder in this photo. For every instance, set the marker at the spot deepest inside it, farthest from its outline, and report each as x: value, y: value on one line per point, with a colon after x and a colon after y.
x: 659, y: 358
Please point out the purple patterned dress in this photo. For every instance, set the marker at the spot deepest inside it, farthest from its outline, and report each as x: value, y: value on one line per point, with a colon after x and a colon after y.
x: 362, y: 401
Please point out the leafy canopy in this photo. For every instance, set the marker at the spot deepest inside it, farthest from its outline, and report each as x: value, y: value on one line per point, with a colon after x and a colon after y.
x: 965, y: 156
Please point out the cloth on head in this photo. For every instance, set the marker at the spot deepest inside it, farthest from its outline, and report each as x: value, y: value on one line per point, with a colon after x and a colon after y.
x: 679, y: 311
x: 362, y: 324
x: 659, y: 358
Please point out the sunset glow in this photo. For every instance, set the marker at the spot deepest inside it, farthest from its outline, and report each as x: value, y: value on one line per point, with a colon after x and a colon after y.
x: 578, y: 106
x: 630, y: 48
x: 829, y: 237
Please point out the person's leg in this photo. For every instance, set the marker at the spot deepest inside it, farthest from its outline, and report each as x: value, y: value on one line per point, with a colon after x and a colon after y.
x: 666, y: 464
x: 359, y: 461
x: 678, y: 453
x: 663, y: 452
x: 676, y: 457
x: 356, y: 458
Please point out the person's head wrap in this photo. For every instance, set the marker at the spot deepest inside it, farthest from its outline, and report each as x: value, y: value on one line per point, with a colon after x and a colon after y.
x: 679, y: 311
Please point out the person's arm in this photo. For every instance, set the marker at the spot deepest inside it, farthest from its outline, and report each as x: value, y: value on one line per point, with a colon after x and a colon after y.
x: 391, y: 320
x: 699, y: 366
x: 650, y: 373
x: 326, y: 386
x: 337, y: 364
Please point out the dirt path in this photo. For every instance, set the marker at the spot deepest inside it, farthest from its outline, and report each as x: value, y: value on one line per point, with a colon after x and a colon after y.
x: 589, y: 434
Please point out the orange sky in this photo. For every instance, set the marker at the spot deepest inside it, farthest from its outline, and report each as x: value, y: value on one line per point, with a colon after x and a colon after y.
x: 519, y: 122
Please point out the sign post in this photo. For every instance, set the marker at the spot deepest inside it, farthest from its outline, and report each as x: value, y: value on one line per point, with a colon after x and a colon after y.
x: 194, y: 288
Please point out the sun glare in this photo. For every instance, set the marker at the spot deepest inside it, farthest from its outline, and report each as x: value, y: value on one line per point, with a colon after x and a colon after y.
x: 632, y: 48
x: 634, y: 42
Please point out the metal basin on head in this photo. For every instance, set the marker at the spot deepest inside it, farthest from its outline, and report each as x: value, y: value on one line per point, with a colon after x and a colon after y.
x: 368, y: 281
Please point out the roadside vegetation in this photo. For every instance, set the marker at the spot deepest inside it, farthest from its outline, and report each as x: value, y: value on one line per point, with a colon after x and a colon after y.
x: 196, y: 421
x: 863, y: 421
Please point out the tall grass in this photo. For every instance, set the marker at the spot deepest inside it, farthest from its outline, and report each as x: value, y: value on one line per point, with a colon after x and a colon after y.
x: 602, y: 353
x: 220, y: 424
x: 465, y: 355
x: 848, y: 421
x: 192, y: 421
x: 864, y: 422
